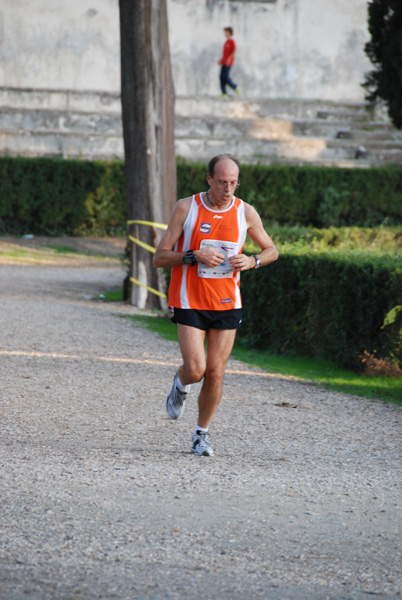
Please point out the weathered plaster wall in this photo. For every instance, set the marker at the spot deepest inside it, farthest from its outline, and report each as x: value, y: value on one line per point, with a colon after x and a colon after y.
x: 286, y: 48
x: 58, y: 44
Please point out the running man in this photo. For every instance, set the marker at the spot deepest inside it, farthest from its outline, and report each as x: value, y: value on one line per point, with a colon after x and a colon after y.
x: 203, y: 245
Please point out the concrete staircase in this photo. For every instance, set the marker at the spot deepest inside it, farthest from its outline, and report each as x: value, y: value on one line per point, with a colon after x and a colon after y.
x: 88, y: 125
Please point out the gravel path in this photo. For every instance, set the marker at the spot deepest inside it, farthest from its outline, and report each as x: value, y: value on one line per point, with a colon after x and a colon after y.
x: 101, y: 497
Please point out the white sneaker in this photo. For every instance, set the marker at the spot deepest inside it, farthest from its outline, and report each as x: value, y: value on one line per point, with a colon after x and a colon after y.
x: 200, y: 444
x: 175, y: 401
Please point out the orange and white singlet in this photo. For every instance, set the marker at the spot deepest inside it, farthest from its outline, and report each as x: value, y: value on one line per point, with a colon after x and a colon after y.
x: 209, y: 288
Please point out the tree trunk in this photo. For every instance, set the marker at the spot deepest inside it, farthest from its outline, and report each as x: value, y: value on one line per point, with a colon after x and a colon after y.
x: 147, y: 95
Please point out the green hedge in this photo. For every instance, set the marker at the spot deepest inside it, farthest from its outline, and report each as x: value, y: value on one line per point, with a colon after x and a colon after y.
x: 314, y: 302
x: 373, y: 239
x: 53, y: 196
x: 330, y: 305
x: 317, y: 196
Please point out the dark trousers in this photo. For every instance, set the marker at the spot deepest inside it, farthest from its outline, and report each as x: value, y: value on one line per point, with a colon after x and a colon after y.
x: 225, y: 79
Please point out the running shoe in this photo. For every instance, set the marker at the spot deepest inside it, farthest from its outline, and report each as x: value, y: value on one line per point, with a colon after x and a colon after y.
x: 200, y: 444
x: 175, y: 401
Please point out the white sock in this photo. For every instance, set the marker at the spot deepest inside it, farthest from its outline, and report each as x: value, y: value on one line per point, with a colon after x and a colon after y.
x: 182, y: 388
x: 202, y: 429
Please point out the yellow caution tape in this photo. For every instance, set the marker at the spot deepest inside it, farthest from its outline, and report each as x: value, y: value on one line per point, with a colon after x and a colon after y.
x: 135, y: 222
x: 147, y: 247
x: 147, y: 287
x: 142, y: 244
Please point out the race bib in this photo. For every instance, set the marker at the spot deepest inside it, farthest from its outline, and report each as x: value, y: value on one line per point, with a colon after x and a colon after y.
x: 228, y: 249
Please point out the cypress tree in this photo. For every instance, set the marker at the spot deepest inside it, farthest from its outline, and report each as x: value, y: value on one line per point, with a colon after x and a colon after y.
x: 385, y: 52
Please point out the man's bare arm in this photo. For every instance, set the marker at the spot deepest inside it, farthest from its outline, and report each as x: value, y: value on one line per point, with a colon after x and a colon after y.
x: 257, y: 233
x: 165, y: 256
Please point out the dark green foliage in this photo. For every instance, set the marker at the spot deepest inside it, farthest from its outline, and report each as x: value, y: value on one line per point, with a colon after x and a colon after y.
x: 370, y: 239
x: 54, y: 196
x: 312, y: 301
x: 317, y: 196
x: 106, y: 206
x: 191, y: 178
x: 66, y: 196
x: 327, y: 305
x: 324, y: 197
x: 385, y: 52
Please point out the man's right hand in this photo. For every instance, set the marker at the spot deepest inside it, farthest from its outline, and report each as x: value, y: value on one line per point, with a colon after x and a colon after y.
x: 209, y: 256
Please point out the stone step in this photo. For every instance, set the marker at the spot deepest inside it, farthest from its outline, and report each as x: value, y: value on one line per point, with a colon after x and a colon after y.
x: 295, y: 149
x: 62, y: 100
x: 276, y: 108
x: 101, y: 146
x: 105, y: 147
x: 63, y: 121
x: 275, y: 128
x: 67, y: 145
x: 268, y: 129
x: 88, y: 125
x: 104, y: 102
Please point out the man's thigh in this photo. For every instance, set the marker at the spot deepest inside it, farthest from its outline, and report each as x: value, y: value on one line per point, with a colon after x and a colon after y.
x: 192, y: 346
x: 220, y: 343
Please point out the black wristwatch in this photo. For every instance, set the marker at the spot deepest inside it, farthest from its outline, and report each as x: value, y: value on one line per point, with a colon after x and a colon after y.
x: 189, y: 258
x: 257, y: 262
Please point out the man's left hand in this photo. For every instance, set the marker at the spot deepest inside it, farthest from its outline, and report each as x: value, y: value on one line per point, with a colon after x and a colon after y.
x: 242, y: 262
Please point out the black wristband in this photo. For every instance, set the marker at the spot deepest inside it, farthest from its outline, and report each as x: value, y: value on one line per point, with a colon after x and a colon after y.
x: 189, y: 258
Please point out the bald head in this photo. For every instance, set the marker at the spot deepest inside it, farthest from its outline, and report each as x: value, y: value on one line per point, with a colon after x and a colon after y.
x: 220, y: 158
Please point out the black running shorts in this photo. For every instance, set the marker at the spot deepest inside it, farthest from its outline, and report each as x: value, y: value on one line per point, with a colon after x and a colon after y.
x: 208, y: 319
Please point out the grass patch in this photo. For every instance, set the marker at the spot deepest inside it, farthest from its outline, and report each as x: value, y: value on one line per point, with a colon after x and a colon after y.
x: 15, y: 254
x: 161, y: 325
x: 57, y: 254
x: 112, y: 296
x: 373, y: 240
x: 61, y: 249
x: 323, y: 372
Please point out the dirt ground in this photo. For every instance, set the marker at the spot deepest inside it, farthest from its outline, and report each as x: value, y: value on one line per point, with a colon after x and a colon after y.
x: 106, y: 246
x: 43, y: 250
x: 101, y: 497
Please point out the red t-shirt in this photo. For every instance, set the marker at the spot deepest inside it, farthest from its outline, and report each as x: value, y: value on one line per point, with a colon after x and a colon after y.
x: 228, y: 47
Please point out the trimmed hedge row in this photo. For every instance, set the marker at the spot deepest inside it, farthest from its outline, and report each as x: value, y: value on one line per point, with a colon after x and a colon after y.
x: 330, y: 305
x: 53, y: 196
x: 43, y: 195
x: 373, y: 239
x: 317, y: 196
x: 327, y: 304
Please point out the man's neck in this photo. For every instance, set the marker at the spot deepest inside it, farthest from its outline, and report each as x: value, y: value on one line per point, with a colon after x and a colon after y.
x: 216, y: 206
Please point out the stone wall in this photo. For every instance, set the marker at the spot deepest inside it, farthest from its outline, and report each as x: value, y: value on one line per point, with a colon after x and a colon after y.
x: 286, y: 49
x: 307, y: 49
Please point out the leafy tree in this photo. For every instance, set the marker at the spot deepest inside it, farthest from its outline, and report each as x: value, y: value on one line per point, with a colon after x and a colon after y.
x: 385, y: 52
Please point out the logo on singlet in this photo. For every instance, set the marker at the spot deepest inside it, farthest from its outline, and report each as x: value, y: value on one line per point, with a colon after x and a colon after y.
x: 205, y: 228
x: 225, y: 300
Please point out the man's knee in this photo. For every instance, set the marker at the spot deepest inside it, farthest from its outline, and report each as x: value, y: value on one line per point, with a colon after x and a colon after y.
x: 214, y: 373
x: 194, y: 371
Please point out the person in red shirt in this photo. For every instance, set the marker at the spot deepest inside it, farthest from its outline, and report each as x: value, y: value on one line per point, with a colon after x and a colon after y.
x: 226, y: 62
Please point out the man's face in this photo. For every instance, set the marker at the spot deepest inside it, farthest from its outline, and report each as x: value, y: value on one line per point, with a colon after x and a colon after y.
x: 223, y: 183
x: 227, y: 33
